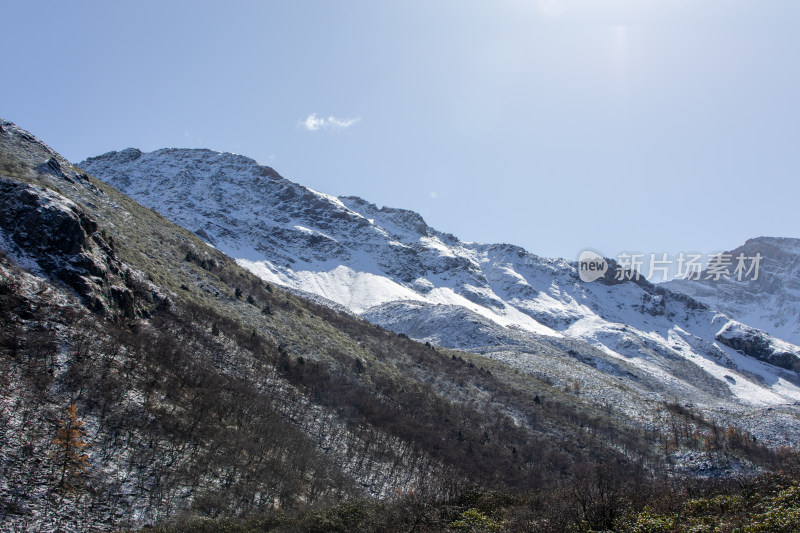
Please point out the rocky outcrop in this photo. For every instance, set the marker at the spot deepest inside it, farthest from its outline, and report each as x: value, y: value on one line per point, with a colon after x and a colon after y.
x: 761, y: 345
x: 67, y: 245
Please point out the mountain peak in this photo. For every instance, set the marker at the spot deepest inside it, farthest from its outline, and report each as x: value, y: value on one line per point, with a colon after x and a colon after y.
x: 767, y: 298
x: 782, y: 245
x: 199, y: 158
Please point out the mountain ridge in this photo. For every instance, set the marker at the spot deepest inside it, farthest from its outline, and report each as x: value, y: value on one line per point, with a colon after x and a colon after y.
x: 388, y: 265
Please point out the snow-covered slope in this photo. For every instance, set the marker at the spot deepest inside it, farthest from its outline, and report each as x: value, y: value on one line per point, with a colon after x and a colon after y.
x: 392, y: 268
x: 770, y: 302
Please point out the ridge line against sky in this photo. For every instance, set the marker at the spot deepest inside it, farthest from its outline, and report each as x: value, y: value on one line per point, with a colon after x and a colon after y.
x: 557, y: 125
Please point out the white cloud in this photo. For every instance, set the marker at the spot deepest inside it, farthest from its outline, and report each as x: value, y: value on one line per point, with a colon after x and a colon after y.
x: 315, y: 123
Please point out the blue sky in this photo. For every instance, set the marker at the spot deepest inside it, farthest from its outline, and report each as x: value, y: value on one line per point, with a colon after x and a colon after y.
x: 641, y: 125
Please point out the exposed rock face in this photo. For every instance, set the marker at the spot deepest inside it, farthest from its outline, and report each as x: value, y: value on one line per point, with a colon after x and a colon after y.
x: 60, y: 237
x: 759, y: 344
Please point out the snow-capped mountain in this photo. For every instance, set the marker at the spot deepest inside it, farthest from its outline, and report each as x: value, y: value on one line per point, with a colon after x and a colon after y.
x: 186, y: 377
x: 768, y: 299
x: 622, y: 340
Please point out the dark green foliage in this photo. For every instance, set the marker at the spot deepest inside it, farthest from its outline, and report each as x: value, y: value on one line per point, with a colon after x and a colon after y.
x: 768, y: 505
